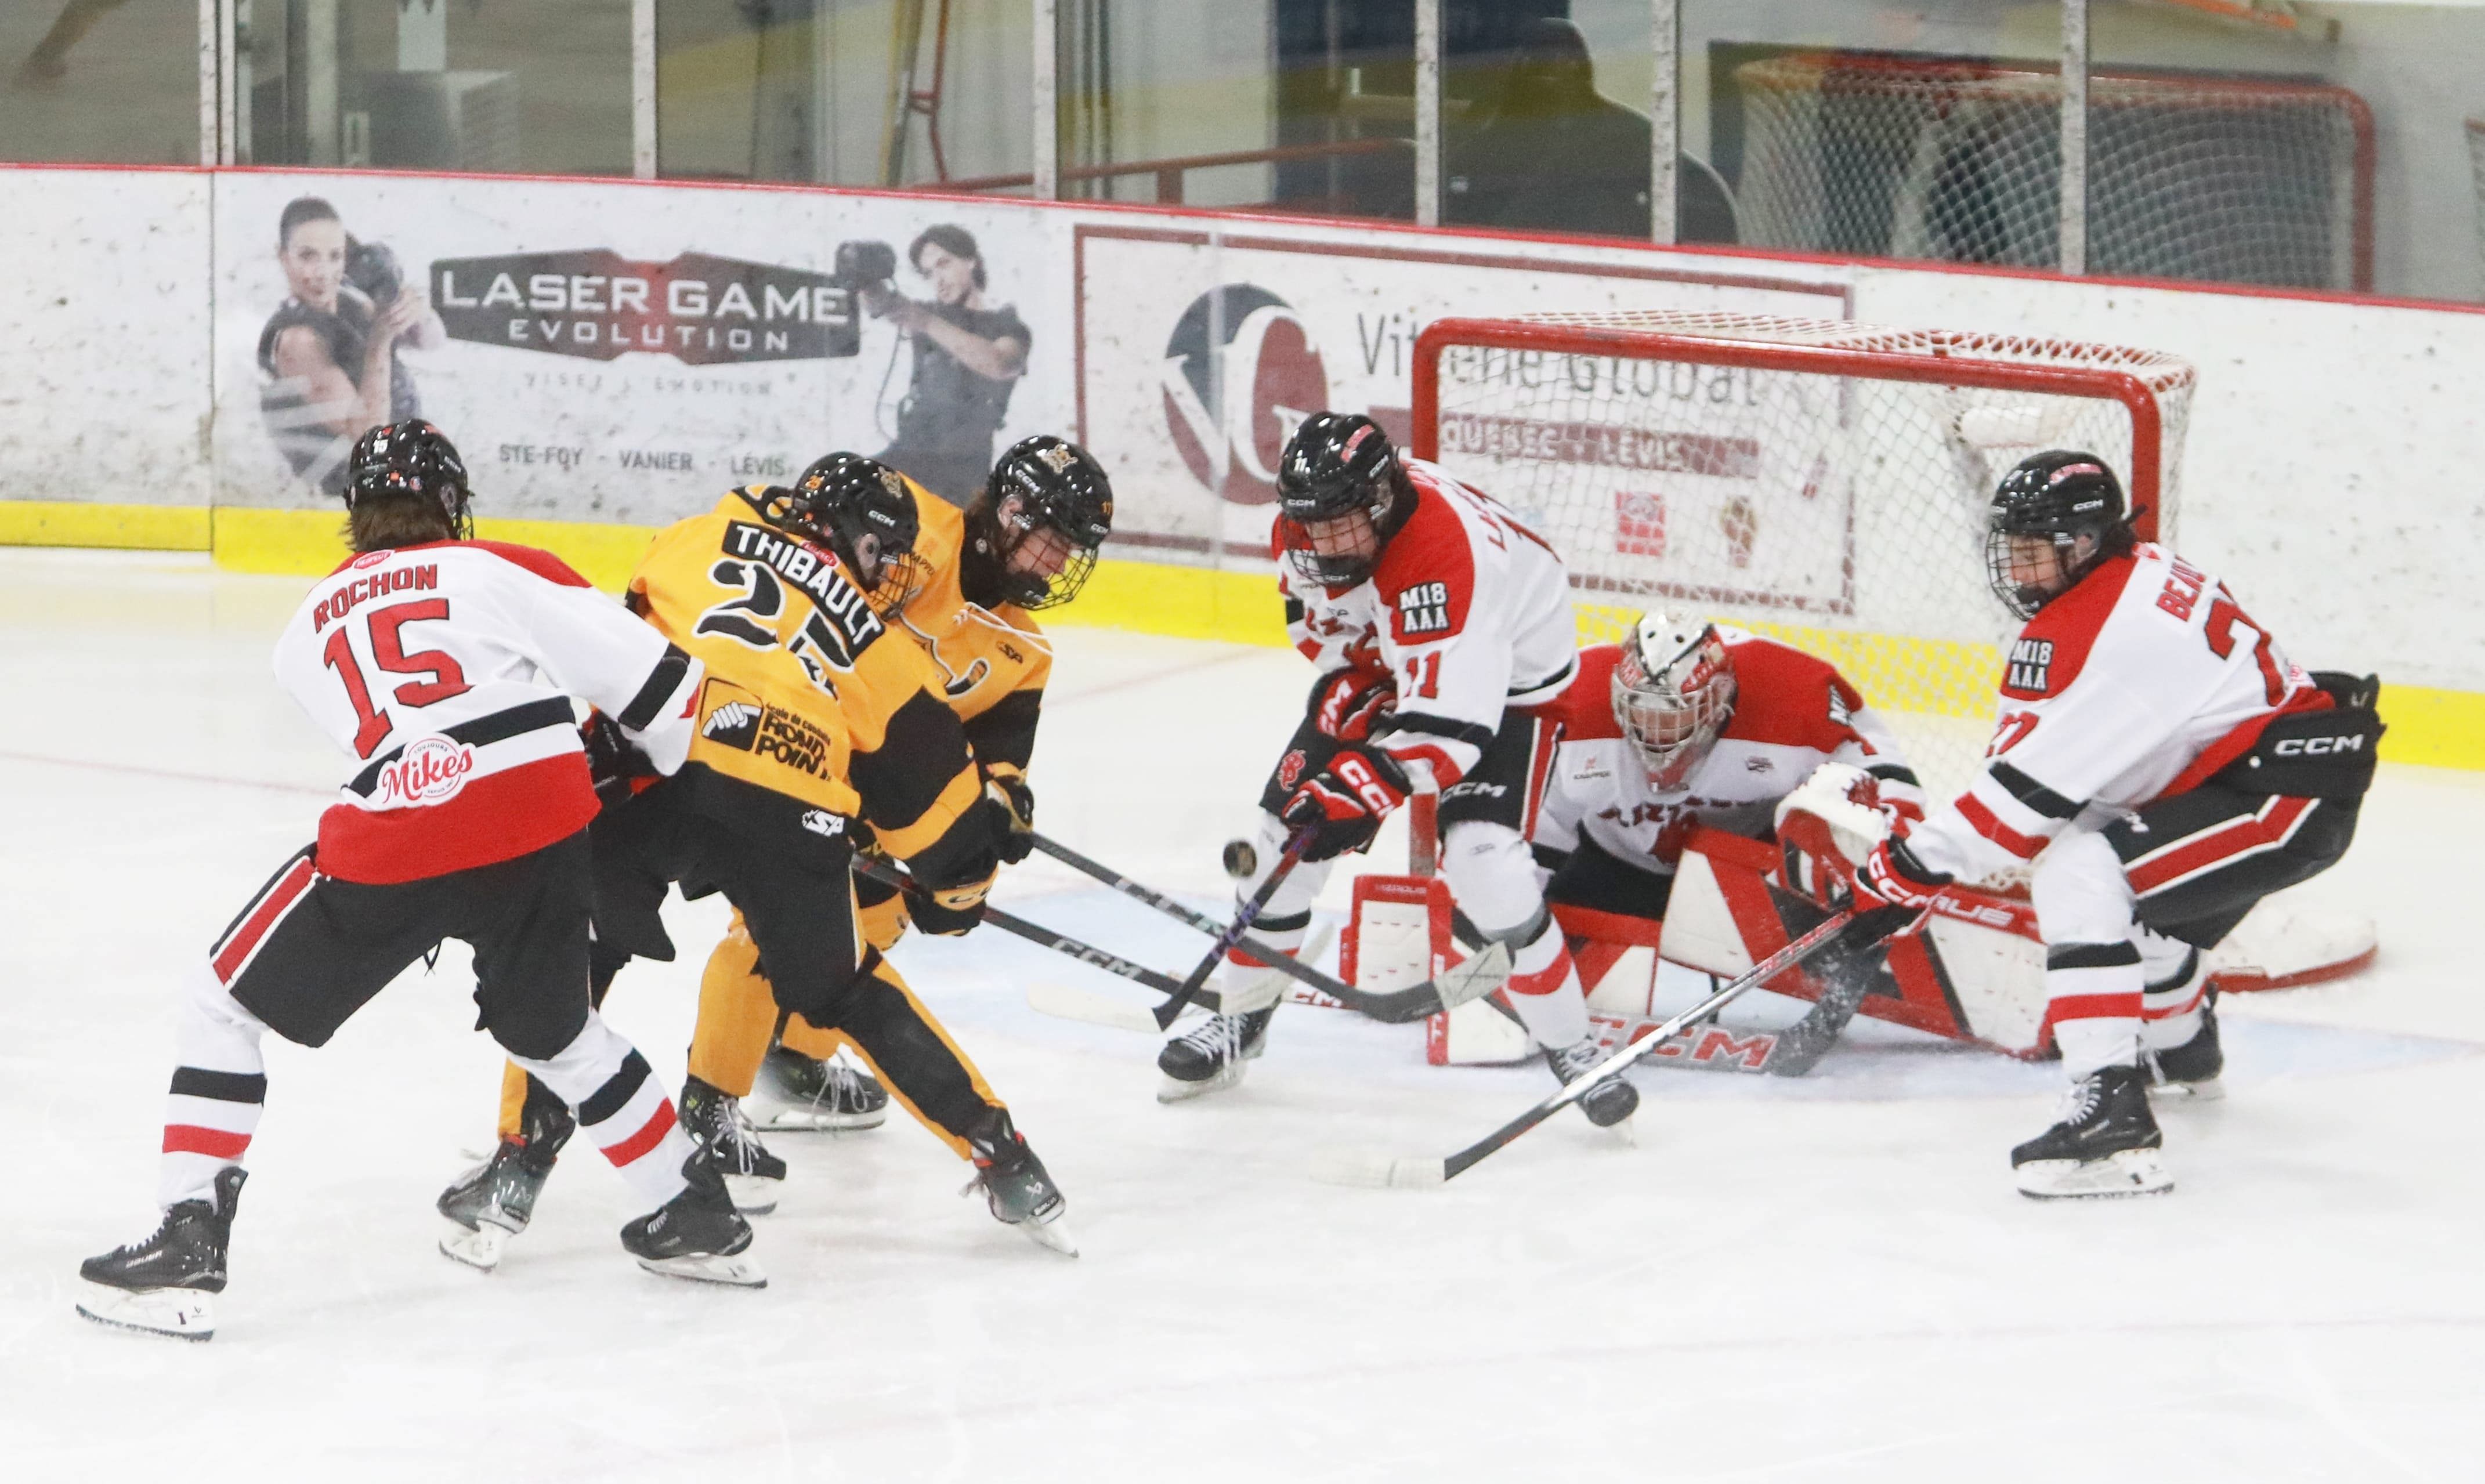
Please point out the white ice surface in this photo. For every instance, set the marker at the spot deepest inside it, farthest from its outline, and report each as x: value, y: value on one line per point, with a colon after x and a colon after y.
x: 1824, y: 1280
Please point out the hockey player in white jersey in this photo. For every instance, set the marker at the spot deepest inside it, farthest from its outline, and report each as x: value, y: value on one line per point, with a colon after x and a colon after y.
x: 1685, y: 724
x: 1435, y: 619
x: 2165, y: 767
x: 445, y: 667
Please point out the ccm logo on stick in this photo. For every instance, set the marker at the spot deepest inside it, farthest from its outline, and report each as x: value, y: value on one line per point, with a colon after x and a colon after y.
x: 2317, y: 746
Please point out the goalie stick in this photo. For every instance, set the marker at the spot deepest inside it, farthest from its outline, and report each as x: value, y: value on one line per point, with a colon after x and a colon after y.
x: 1291, y: 965
x: 1482, y: 972
x: 1355, y: 1168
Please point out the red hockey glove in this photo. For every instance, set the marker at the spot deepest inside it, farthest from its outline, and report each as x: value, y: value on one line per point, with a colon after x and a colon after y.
x: 1346, y: 703
x: 1893, y: 874
x: 1345, y: 802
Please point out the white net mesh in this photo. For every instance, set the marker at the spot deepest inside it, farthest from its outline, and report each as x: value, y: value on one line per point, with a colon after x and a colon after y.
x: 1839, y: 508
x: 2241, y: 181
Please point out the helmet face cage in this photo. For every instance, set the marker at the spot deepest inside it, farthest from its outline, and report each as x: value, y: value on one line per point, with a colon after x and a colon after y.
x: 845, y: 496
x: 1337, y: 471
x: 1060, y: 487
x: 410, y: 458
x: 1673, y: 694
x: 2060, y: 497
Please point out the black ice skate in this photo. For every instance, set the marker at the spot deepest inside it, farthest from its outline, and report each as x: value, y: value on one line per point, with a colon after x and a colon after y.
x: 2105, y: 1142
x: 1611, y: 1100
x: 697, y: 1234
x: 164, y: 1285
x: 493, y: 1201
x: 1016, y: 1186
x: 715, y: 1122
x: 2193, y: 1068
x: 808, y: 1095
x: 1210, y: 1058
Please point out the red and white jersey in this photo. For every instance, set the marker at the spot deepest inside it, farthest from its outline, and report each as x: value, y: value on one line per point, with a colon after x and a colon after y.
x: 447, y: 669
x: 1793, y: 713
x: 2141, y: 682
x: 1467, y: 610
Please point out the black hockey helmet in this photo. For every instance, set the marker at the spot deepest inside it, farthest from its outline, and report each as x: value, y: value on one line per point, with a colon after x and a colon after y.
x: 1059, y: 486
x: 2067, y: 497
x: 843, y: 497
x: 410, y: 459
x: 1337, y: 466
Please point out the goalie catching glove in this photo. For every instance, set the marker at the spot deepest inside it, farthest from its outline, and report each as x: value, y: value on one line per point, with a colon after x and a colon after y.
x: 1345, y: 802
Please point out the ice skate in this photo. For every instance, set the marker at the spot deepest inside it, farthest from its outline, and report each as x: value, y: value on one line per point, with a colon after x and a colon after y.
x: 1612, y: 1100
x: 803, y: 1095
x: 1210, y: 1058
x: 2194, y: 1069
x: 697, y: 1234
x: 166, y: 1285
x: 1016, y: 1186
x: 493, y: 1201
x: 2104, y: 1143
x: 715, y: 1122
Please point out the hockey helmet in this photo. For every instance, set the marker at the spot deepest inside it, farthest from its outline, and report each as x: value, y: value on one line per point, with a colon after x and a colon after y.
x: 2067, y: 499
x: 1060, y: 487
x: 843, y: 497
x: 410, y: 459
x: 1673, y: 694
x: 1338, y: 472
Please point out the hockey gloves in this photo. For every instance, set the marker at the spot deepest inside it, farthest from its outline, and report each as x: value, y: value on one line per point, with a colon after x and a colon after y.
x: 615, y: 764
x: 1346, y: 703
x: 1893, y: 874
x: 1345, y: 802
x: 1006, y: 786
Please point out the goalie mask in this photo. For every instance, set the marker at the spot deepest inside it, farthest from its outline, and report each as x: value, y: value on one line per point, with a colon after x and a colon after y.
x: 2053, y: 517
x: 1337, y: 490
x: 861, y: 510
x: 410, y: 459
x: 1673, y: 692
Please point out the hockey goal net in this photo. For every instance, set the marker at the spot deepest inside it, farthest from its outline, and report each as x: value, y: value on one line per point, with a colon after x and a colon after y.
x: 2243, y: 181
x: 1819, y: 481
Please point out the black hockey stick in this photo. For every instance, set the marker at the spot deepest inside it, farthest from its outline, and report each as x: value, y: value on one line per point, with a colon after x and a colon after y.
x: 1450, y: 990
x: 1244, y: 917
x: 1349, y: 1168
x: 1414, y: 1003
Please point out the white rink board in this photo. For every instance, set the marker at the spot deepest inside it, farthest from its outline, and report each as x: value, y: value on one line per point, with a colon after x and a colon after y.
x: 1799, y: 1280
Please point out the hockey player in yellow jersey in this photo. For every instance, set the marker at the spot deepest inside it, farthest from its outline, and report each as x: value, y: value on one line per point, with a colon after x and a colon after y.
x: 1026, y: 542
x: 819, y: 729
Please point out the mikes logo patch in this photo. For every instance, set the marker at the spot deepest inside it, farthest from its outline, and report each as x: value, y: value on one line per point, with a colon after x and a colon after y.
x: 2031, y: 667
x: 432, y: 771
x: 1423, y: 609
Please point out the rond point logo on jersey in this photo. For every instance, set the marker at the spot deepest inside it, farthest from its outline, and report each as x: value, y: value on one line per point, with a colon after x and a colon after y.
x: 1240, y: 374
x: 430, y: 772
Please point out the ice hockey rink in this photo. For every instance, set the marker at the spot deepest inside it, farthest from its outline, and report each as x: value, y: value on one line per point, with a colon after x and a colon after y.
x: 1829, y: 1278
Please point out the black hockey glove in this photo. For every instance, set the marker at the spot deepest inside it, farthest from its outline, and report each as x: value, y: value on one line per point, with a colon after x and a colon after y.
x: 1006, y: 786
x: 613, y: 760
x: 1345, y: 802
x: 953, y: 877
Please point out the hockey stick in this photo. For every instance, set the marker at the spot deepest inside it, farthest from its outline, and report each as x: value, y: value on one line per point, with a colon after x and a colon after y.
x: 1451, y: 989
x: 1469, y: 979
x: 1350, y: 1168
x: 1244, y: 917
x: 1070, y: 1002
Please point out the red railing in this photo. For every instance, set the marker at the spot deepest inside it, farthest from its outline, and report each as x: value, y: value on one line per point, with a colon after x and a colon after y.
x: 1170, y: 172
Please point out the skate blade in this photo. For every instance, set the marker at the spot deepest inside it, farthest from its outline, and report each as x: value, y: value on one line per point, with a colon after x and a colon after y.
x: 1369, y: 1170
x: 753, y: 1195
x: 1054, y: 1235
x: 176, y: 1313
x: 2129, y: 1172
x: 735, y: 1271
x: 2210, y: 1091
x: 1173, y: 1089
x: 802, y: 1118
x: 481, y: 1249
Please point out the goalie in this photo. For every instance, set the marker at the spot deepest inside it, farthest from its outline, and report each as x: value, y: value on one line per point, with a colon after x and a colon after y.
x: 2164, y: 767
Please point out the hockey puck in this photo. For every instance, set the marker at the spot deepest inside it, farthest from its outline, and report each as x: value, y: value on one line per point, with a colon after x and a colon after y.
x: 1241, y: 858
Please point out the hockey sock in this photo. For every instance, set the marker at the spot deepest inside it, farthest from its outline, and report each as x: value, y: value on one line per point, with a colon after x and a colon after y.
x: 737, y: 1015
x: 218, y: 1088
x: 621, y: 1107
x: 1544, y: 988
x: 2095, y: 990
x: 2170, y: 1007
x: 1284, y: 931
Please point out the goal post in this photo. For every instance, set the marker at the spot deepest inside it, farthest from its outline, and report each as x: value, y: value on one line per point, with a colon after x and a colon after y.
x: 1822, y: 482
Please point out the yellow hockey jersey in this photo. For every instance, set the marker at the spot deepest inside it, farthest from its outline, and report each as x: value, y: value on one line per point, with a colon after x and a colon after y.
x: 813, y: 715
x: 993, y: 660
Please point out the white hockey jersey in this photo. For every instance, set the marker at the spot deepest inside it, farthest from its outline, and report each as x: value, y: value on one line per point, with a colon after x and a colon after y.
x: 2141, y: 682
x: 1468, y: 611
x: 447, y: 671
x: 1793, y: 713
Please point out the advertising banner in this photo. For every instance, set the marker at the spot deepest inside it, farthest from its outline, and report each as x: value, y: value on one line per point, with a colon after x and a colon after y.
x: 613, y: 353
